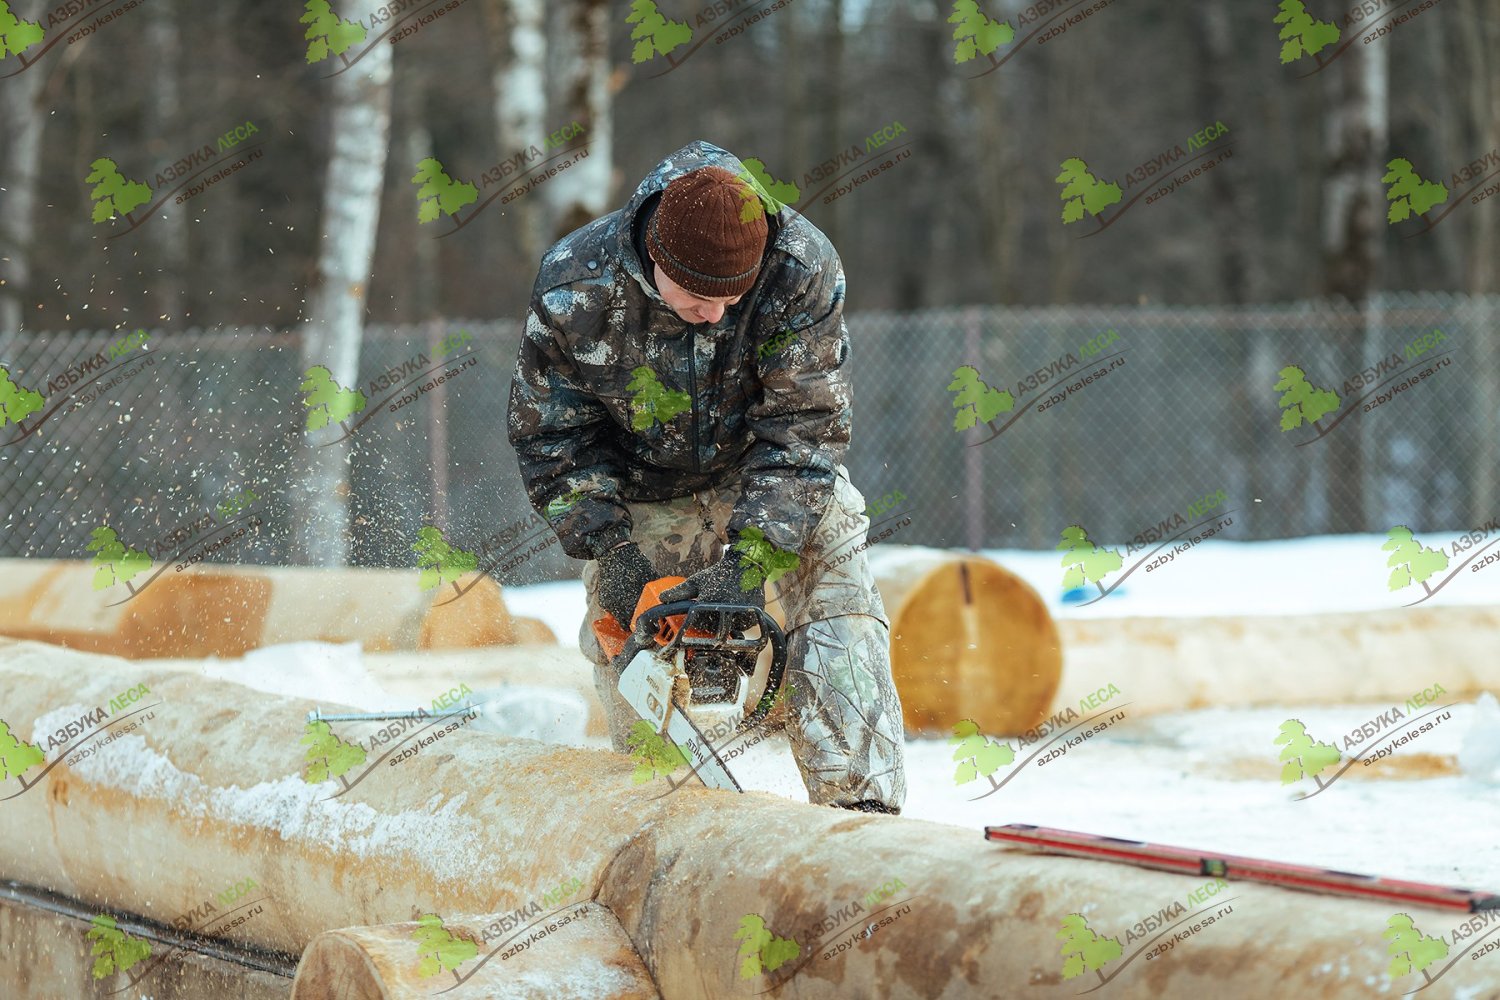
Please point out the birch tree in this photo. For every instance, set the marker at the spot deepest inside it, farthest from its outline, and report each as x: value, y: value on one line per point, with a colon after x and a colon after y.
x: 359, y: 126
x: 520, y: 47
x: 580, y: 194
x: 168, y: 234
x: 21, y: 121
x: 1353, y: 226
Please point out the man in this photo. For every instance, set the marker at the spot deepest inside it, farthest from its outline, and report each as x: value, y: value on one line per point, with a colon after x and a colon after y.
x: 680, y: 389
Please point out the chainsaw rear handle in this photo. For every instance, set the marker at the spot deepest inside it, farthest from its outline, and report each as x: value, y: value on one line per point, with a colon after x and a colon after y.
x: 654, y: 627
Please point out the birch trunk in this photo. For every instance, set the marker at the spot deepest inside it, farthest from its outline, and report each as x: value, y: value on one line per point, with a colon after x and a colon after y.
x: 580, y: 193
x: 21, y: 121
x: 1353, y: 230
x: 168, y: 234
x: 520, y: 47
x: 359, y: 127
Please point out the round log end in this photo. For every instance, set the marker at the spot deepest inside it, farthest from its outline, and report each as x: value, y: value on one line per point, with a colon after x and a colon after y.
x: 969, y: 640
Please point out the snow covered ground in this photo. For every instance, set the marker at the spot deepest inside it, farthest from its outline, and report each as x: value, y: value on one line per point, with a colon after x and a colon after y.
x: 1210, y: 778
x: 1287, y: 577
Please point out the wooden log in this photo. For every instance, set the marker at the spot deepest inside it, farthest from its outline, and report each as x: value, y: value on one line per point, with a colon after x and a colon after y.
x: 1171, y: 664
x: 477, y: 618
x: 587, y: 958
x: 210, y: 791
x: 969, y: 640
x: 222, y: 610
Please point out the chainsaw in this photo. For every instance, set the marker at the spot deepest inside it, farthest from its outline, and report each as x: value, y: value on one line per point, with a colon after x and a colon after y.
x: 691, y: 653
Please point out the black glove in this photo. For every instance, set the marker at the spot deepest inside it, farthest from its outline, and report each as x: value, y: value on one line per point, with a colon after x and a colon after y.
x: 721, y: 583
x: 623, y: 574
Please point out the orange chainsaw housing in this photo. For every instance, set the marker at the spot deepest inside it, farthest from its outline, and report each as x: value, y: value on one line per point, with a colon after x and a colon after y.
x: 612, y: 637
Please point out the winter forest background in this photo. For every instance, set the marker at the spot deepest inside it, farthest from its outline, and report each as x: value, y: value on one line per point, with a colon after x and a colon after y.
x: 315, y: 253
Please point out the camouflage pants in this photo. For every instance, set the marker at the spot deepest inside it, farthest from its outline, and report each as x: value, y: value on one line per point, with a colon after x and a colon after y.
x: 844, y: 717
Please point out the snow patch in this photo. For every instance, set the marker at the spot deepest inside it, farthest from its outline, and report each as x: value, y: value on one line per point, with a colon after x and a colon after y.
x: 440, y: 838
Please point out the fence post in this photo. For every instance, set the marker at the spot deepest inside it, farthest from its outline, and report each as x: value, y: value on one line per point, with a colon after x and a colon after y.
x: 437, y: 441
x: 973, y: 463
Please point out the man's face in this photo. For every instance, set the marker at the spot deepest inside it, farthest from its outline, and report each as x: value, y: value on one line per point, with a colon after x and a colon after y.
x: 691, y: 308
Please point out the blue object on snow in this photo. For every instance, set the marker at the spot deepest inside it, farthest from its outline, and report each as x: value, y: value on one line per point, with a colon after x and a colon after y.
x: 1080, y: 594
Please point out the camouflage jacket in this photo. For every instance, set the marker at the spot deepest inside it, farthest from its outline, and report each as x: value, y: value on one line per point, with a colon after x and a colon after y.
x: 615, y: 398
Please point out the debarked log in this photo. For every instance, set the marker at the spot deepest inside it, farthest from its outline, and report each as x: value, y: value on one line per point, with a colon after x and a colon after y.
x: 969, y: 640
x: 721, y: 894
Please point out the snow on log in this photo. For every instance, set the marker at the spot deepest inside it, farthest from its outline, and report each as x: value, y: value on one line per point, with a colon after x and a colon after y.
x: 223, y: 610
x: 969, y: 640
x: 206, y: 802
x: 1171, y: 664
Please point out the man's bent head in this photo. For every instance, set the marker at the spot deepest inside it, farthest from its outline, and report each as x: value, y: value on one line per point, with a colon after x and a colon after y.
x: 706, y: 238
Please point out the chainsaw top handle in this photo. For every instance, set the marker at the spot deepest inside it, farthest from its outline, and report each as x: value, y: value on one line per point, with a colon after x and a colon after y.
x: 696, y: 625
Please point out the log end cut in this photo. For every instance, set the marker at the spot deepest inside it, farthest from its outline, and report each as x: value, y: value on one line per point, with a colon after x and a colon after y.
x: 969, y: 640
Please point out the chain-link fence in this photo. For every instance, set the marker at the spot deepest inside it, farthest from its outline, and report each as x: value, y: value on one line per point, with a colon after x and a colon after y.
x: 1188, y: 406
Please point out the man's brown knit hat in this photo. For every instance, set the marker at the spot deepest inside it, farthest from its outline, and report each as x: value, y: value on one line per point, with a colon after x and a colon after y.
x: 698, y: 239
